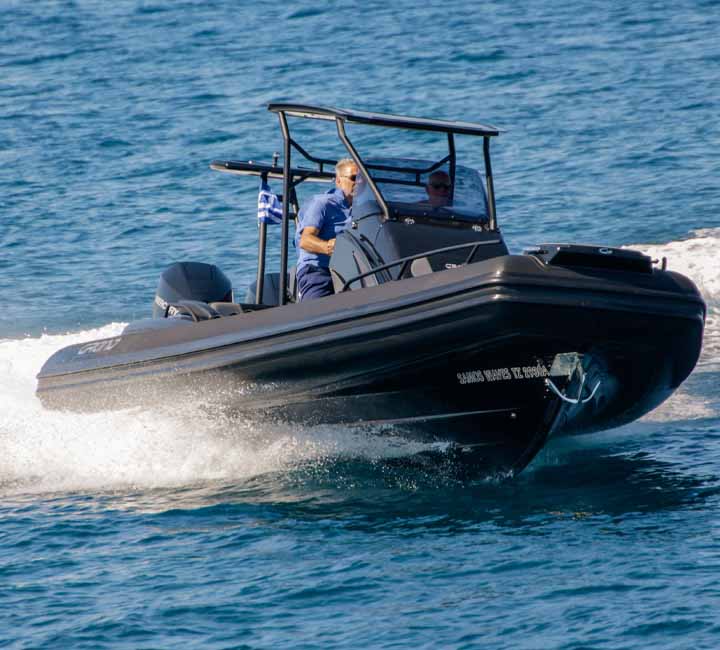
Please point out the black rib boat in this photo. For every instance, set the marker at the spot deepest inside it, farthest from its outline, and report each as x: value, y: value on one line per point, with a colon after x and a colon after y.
x: 435, y: 331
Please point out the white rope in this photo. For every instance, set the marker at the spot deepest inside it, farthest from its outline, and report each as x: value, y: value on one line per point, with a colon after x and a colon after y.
x: 570, y: 400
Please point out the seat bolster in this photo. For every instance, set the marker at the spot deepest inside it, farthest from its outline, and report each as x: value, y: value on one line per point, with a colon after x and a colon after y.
x: 227, y: 308
x: 196, y: 309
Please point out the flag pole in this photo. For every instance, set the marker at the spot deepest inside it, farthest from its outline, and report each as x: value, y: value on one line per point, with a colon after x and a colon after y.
x: 262, y: 248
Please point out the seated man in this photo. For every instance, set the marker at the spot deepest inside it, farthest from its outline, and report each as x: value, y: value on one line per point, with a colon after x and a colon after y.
x: 320, y: 221
x: 438, y: 189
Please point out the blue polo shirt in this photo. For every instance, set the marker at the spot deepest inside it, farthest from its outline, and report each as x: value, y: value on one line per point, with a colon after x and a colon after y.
x: 330, y: 214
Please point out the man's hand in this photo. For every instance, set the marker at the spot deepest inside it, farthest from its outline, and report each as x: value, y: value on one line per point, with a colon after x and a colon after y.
x: 310, y: 242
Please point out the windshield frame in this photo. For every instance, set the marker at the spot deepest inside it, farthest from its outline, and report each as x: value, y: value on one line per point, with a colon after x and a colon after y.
x: 450, y: 159
x: 466, y: 200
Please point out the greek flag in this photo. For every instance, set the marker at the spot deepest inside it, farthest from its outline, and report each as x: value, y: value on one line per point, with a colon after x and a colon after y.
x: 269, y: 206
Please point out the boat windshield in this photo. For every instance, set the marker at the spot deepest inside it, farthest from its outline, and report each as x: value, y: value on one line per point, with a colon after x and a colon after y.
x: 420, y: 188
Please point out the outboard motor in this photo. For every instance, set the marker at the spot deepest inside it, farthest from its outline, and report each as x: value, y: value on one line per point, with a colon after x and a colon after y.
x: 191, y: 281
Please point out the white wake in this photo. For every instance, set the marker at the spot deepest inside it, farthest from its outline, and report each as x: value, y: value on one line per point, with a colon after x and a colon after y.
x: 49, y: 450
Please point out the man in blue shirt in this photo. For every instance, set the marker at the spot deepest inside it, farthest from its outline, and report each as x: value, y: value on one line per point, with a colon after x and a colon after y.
x: 320, y: 221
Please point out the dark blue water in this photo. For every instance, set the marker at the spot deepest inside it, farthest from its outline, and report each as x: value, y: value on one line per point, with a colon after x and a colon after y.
x: 149, y: 529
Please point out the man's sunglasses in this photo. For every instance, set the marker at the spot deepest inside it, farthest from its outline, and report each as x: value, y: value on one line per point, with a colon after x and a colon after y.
x: 440, y: 186
x: 352, y: 178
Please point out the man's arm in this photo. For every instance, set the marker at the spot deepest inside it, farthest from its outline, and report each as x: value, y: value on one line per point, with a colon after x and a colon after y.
x: 310, y: 242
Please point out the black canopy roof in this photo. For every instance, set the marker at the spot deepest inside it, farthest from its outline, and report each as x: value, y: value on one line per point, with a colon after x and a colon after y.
x: 383, y: 119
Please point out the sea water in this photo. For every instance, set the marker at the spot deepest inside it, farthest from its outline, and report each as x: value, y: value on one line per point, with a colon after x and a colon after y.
x: 156, y: 528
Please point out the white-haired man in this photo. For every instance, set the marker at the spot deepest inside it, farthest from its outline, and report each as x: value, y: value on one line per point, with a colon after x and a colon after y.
x: 320, y: 221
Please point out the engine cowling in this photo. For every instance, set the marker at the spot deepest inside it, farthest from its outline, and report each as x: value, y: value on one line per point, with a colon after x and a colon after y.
x: 191, y: 281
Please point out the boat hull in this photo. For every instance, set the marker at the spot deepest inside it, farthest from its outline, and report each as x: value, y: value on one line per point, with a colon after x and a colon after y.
x: 495, y: 358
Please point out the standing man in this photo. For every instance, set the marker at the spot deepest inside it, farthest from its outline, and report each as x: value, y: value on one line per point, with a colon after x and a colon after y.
x: 320, y: 221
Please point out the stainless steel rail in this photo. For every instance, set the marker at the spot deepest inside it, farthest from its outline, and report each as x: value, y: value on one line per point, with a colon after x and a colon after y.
x: 406, y: 261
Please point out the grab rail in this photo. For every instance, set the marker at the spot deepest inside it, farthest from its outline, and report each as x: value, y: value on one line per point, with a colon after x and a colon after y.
x: 406, y: 261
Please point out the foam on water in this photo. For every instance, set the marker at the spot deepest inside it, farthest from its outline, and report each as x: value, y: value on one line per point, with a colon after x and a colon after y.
x: 48, y: 450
